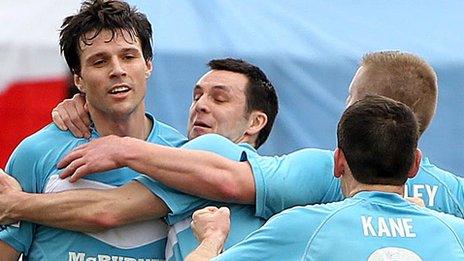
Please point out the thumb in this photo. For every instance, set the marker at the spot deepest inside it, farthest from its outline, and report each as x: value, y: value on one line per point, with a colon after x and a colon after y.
x: 224, y: 210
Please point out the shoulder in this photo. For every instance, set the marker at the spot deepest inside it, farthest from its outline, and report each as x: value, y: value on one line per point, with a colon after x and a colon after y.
x: 217, y: 144
x: 164, y: 134
x: 316, y: 214
x: 305, y: 158
x: 300, y: 223
x: 36, y: 156
x: 209, y: 140
x: 451, y: 186
x: 305, y: 165
x: 45, y: 141
x: 311, y: 157
x: 432, y: 172
x: 454, y: 224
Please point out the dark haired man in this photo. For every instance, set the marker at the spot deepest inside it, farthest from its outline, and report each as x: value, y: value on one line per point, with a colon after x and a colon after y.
x: 377, y: 152
x: 107, y: 46
x: 271, y: 178
x: 221, y: 103
x: 400, y: 76
x: 267, y: 181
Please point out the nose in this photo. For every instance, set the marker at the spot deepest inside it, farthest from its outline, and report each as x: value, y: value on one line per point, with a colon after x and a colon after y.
x: 201, y: 105
x: 117, y: 68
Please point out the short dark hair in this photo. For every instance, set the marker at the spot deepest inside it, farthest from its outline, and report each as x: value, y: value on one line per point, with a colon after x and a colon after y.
x: 98, y: 15
x: 378, y: 137
x: 260, y: 93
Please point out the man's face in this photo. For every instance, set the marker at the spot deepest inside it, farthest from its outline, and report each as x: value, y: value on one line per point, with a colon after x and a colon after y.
x: 219, y: 105
x: 113, y: 74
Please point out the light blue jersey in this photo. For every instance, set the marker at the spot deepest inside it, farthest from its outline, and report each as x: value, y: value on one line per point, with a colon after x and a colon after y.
x: 369, y: 226
x: 299, y: 178
x: 306, y: 177
x: 33, y: 164
x: 440, y: 189
x: 181, y: 240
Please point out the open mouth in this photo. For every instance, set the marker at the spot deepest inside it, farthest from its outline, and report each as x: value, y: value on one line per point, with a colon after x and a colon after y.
x: 201, y: 124
x: 119, y: 89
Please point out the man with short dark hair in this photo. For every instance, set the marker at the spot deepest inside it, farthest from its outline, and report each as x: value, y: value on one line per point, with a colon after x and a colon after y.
x: 107, y: 45
x: 401, y: 76
x: 377, y: 152
x: 220, y: 104
x: 264, y: 181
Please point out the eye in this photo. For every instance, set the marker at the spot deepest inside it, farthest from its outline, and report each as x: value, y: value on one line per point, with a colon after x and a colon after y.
x: 196, y: 96
x: 129, y: 56
x: 220, y: 98
x: 98, y: 62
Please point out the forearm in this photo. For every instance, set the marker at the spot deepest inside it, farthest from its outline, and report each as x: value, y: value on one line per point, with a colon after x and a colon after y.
x: 89, y: 210
x: 209, y: 248
x: 214, y: 177
x: 73, y: 210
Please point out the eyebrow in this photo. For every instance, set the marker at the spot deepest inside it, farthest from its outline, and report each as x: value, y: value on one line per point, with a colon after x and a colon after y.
x: 220, y: 87
x: 95, y: 56
x: 130, y: 49
x: 104, y: 53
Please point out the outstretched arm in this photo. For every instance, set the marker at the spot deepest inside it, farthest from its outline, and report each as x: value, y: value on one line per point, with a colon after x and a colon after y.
x: 85, y: 210
x: 213, y: 177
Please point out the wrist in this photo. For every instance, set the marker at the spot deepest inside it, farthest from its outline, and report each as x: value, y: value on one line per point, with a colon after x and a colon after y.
x: 128, y: 151
x: 214, y: 243
x: 215, y: 240
x: 17, y: 208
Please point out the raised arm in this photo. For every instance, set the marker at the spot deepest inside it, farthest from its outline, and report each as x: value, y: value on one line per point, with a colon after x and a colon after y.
x: 201, y: 173
x: 85, y: 210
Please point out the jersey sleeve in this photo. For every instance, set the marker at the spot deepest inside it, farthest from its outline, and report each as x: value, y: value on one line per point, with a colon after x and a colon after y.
x: 283, y: 237
x: 180, y: 204
x: 23, y: 165
x: 299, y: 178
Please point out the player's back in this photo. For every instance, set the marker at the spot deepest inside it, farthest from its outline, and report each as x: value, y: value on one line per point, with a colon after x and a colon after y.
x: 382, y: 226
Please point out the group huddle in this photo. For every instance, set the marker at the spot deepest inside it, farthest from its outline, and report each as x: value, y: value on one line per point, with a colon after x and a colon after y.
x: 109, y: 182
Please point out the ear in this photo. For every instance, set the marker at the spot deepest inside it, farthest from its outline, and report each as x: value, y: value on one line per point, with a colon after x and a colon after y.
x: 257, y: 121
x: 78, y: 83
x: 149, y: 69
x: 339, y: 163
x: 416, y: 164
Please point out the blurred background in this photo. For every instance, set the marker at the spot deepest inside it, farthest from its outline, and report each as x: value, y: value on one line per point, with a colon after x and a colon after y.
x: 309, y: 49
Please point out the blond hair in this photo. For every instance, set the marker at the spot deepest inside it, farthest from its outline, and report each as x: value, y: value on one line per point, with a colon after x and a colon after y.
x: 402, y: 77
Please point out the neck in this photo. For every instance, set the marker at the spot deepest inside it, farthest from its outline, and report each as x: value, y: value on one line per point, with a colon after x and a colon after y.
x: 246, y: 139
x: 382, y: 188
x: 136, y: 125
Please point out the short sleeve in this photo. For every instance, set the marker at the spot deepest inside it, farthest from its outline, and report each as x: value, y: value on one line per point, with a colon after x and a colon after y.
x: 180, y: 204
x: 299, y: 178
x: 23, y: 165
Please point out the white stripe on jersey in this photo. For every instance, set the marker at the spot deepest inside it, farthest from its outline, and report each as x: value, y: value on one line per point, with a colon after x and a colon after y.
x: 124, y: 237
